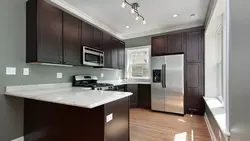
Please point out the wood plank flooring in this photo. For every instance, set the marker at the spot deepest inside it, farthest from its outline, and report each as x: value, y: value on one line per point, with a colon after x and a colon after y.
x: 153, y: 126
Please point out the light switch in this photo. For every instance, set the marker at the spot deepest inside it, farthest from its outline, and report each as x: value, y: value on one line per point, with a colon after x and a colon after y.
x: 26, y: 71
x: 10, y: 71
x: 59, y: 75
x: 102, y: 75
x: 109, y: 117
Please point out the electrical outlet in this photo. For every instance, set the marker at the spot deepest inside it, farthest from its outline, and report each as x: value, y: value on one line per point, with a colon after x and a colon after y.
x: 26, y: 71
x: 10, y: 71
x: 59, y: 75
x: 109, y: 117
x: 102, y: 75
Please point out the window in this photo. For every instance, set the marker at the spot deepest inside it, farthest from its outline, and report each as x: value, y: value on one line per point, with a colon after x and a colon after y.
x: 219, y: 61
x: 138, y: 62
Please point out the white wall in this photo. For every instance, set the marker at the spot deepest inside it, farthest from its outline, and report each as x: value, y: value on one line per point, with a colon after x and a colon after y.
x: 239, y: 69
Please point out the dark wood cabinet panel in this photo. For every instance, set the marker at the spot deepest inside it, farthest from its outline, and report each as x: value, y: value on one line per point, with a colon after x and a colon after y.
x: 121, y: 55
x: 87, y: 35
x: 194, y: 50
x: 115, y: 48
x: 97, y: 43
x: 159, y: 46
x: 120, y: 111
x: 194, y: 88
x: 175, y: 43
x: 107, y: 48
x: 71, y: 40
x: 144, y: 95
x: 44, y: 32
x: 133, y: 88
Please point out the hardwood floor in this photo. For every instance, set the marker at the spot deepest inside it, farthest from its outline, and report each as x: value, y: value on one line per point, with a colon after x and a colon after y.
x: 153, y: 126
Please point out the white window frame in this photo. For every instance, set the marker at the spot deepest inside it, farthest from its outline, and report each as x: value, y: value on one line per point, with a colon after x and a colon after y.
x: 127, y: 72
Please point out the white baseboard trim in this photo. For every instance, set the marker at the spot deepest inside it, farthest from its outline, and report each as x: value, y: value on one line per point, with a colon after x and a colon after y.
x: 211, y: 132
x: 19, y: 139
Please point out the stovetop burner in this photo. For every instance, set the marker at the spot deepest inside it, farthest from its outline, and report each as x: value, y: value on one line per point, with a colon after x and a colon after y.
x: 91, y: 82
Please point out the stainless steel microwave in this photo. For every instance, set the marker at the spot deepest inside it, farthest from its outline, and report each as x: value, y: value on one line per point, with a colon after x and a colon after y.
x: 92, y: 57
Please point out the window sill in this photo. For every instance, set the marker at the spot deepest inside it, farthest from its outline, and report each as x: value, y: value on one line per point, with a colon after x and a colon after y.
x: 219, y: 114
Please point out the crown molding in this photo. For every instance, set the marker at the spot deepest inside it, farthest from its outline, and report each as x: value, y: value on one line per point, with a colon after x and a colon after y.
x: 162, y: 30
x: 61, y: 4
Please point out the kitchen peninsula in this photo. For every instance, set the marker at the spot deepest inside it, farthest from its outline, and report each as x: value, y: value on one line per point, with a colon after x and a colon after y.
x: 60, y: 112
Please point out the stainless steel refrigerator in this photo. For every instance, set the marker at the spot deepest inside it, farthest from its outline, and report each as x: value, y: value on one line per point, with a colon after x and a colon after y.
x: 167, y: 87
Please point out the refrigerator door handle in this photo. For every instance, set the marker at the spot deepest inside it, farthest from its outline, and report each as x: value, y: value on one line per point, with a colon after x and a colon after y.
x: 162, y: 76
x: 165, y: 75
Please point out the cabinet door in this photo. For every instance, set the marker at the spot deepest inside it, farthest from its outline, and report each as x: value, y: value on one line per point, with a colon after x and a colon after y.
x: 175, y: 43
x: 144, y: 95
x: 159, y: 46
x: 121, y: 55
x: 97, y: 39
x: 194, y: 88
x: 71, y: 40
x: 115, y: 48
x: 194, y: 49
x: 87, y: 35
x: 133, y: 88
x: 49, y: 40
x: 107, y: 48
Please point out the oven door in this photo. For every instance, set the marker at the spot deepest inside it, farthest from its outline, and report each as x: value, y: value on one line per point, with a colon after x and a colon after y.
x: 93, y: 57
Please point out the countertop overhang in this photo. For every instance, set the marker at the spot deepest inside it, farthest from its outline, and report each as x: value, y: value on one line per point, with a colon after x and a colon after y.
x: 65, y: 94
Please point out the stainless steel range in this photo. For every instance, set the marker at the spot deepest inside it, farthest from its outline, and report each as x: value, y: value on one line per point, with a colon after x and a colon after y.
x: 88, y: 81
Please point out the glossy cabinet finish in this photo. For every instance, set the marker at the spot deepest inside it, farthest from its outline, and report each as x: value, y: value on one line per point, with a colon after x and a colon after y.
x: 107, y: 48
x: 44, y: 32
x: 159, y: 46
x: 71, y: 40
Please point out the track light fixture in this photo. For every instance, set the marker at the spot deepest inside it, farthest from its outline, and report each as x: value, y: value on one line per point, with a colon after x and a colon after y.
x: 134, y: 9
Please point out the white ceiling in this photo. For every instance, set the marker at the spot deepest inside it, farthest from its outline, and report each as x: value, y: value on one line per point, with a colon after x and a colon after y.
x: 109, y: 15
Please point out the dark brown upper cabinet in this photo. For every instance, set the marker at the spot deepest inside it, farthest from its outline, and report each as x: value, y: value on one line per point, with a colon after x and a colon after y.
x: 87, y: 35
x: 71, y: 40
x: 44, y: 32
x: 97, y: 43
x: 107, y: 48
x: 121, y: 55
x: 194, y: 50
x: 175, y: 43
x: 115, y: 48
x: 159, y: 46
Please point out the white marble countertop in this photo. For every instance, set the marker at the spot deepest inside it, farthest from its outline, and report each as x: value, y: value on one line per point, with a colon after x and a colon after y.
x: 67, y: 95
x: 123, y: 82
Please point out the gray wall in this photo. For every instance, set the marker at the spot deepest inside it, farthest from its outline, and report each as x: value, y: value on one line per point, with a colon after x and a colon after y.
x: 12, y: 53
x: 239, y: 68
x: 140, y: 41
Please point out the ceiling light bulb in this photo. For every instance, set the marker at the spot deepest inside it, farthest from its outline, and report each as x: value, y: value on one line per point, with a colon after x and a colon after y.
x: 144, y: 22
x: 132, y: 10
x: 175, y: 15
x: 127, y: 26
x: 137, y: 18
x: 123, y: 5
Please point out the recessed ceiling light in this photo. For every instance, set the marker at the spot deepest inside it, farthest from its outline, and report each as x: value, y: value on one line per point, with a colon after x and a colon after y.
x: 176, y: 15
x: 192, y: 15
x: 127, y: 26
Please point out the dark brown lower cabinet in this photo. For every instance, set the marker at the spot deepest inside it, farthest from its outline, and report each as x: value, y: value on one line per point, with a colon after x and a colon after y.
x: 144, y: 92
x: 133, y: 88
x: 141, y: 97
x: 44, y: 121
